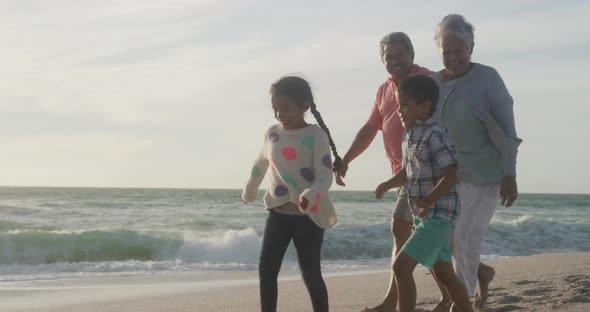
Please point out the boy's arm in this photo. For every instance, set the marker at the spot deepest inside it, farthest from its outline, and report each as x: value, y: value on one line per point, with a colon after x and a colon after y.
x: 399, y: 179
x: 444, y: 155
x: 449, y: 178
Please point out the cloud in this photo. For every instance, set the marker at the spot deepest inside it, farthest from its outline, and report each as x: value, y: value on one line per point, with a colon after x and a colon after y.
x: 140, y: 76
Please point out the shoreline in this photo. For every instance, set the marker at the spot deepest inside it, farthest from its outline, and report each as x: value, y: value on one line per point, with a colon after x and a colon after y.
x: 545, y: 282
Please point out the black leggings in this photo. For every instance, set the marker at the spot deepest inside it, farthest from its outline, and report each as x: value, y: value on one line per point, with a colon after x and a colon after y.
x: 307, y: 237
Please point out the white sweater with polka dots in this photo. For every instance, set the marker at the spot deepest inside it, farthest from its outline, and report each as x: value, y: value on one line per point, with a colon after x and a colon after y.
x: 301, y: 166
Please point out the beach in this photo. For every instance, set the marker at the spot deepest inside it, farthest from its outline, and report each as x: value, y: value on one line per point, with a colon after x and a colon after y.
x: 548, y: 282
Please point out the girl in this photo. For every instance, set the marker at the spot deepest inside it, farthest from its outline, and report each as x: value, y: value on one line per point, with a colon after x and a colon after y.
x: 297, y: 199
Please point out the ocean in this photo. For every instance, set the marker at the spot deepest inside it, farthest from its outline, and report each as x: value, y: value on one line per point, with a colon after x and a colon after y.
x: 52, y: 233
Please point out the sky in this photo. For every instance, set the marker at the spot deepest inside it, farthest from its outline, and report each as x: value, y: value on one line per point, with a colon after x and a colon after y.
x: 174, y: 94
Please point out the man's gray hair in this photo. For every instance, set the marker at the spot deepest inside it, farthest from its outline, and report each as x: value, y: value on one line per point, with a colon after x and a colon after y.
x: 397, y: 37
x: 457, y: 25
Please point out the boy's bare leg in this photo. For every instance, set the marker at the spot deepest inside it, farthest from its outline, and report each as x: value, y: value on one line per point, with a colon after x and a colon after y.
x: 401, y: 230
x: 445, y: 274
x: 485, y: 275
x: 445, y: 301
x: 403, y: 268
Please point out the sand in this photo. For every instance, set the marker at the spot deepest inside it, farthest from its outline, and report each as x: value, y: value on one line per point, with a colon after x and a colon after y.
x: 550, y: 282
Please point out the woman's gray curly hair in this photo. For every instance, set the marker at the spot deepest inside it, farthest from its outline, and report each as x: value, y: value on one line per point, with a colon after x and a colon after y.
x: 457, y: 25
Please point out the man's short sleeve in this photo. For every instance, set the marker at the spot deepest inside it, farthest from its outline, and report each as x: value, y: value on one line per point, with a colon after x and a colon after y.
x: 376, y: 119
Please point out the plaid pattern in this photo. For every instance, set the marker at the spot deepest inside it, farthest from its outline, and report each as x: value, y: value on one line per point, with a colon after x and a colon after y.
x: 426, y: 152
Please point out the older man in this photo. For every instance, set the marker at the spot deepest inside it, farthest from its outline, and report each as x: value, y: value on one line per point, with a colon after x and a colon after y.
x: 397, y: 54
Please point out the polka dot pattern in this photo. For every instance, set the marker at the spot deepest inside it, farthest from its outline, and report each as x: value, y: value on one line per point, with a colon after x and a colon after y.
x: 307, y: 174
x: 308, y: 141
x: 289, y: 153
x: 314, y: 208
x: 281, y: 190
x: 273, y: 137
x: 256, y: 172
x: 327, y: 161
x: 289, y: 180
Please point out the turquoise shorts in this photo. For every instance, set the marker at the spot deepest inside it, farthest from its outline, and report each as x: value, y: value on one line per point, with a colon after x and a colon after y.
x: 429, y: 244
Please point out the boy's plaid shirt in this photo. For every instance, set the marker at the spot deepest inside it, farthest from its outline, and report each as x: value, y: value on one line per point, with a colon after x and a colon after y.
x: 426, y: 152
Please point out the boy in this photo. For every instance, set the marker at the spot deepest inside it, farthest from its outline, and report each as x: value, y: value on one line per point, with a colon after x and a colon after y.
x: 429, y: 173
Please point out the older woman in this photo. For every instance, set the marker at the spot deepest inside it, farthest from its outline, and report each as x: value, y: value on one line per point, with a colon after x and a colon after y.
x: 475, y: 108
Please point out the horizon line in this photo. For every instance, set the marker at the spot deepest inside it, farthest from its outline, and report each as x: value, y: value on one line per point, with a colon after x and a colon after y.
x: 208, y: 188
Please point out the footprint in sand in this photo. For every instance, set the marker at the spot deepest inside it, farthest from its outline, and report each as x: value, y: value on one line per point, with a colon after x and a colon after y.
x: 577, y: 299
x: 576, y: 278
x: 536, y: 291
x: 524, y: 282
x: 498, y: 293
x: 510, y: 300
x: 508, y: 308
x: 580, y: 285
x: 579, y: 282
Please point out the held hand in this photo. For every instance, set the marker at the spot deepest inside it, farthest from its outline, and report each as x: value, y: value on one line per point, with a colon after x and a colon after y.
x: 341, y: 173
x: 508, y: 190
x: 422, y: 208
x: 303, y: 204
x: 382, y: 189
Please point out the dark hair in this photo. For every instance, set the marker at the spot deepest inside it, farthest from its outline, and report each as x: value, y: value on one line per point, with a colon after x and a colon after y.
x: 421, y: 88
x: 299, y: 90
